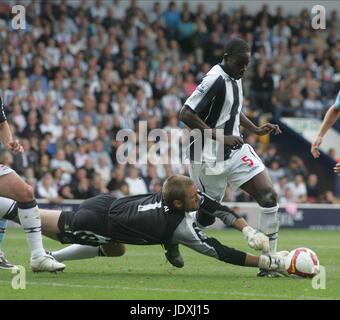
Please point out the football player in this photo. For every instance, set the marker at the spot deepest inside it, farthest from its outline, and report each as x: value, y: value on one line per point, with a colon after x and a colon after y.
x: 102, y: 225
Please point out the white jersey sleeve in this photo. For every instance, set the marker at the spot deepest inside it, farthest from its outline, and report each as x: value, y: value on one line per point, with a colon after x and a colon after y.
x: 201, y: 99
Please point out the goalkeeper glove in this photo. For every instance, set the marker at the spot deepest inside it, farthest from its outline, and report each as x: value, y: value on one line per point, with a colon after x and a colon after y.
x: 256, y: 239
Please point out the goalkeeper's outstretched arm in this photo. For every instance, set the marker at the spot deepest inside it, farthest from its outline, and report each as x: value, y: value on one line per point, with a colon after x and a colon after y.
x: 211, y: 208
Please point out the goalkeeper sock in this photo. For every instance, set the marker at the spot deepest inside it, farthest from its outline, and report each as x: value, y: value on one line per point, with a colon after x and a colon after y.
x: 3, y: 226
x: 76, y: 252
x: 30, y: 221
x: 269, y: 225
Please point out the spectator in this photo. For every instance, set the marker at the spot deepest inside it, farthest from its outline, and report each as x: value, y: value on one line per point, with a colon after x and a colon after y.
x: 275, y: 171
x: 99, y: 185
x: 262, y: 89
x: 298, y: 189
x: 89, y: 131
x: 60, y: 162
x: 66, y: 192
x: 312, y: 106
x: 102, y: 169
x: 135, y: 182
x: 313, y: 189
x: 171, y: 19
x: 48, y: 189
x: 280, y: 188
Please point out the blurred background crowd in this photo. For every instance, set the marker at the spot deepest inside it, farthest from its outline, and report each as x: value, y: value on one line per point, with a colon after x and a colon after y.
x: 83, y: 70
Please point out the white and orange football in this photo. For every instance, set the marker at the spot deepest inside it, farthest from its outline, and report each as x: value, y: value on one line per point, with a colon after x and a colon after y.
x: 302, y: 262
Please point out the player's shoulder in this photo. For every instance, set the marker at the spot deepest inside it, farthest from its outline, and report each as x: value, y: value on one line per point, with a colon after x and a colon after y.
x: 216, y: 71
x: 215, y: 74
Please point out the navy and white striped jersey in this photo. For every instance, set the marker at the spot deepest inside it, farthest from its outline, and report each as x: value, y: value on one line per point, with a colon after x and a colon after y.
x: 2, y: 111
x: 218, y: 102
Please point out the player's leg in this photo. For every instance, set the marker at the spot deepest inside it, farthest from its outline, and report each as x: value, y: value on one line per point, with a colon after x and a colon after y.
x: 212, y: 180
x: 49, y: 223
x: 9, y: 211
x: 78, y: 251
x: 50, y: 228
x: 4, y: 263
x: 248, y: 173
x: 49, y: 218
x: 22, y: 193
x: 87, y: 230
x: 261, y: 189
x: 13, y: 187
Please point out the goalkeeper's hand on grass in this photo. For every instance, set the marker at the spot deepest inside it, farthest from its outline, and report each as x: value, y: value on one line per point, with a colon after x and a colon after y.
x: 256, y: 239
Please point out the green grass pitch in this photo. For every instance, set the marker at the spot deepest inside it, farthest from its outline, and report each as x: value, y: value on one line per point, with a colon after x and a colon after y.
x: 144, y: 274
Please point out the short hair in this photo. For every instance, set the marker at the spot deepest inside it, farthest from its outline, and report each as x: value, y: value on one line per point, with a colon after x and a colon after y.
x: 174, y: 188
x: 236, y: 46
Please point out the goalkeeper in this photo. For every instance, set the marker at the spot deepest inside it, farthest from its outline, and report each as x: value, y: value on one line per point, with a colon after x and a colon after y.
x: 102, y: 225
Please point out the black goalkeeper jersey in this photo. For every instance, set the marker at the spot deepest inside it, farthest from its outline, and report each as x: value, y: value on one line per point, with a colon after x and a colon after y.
x: 143, y: 219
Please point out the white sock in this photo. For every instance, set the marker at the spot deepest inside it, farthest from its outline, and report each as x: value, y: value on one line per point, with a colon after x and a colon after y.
x: 269, y: 225
x: 6, y: 206
x: 76, y: 252
x: 31, y: 223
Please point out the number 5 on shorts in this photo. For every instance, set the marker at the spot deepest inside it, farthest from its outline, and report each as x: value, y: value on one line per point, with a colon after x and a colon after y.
x: 250, y: 162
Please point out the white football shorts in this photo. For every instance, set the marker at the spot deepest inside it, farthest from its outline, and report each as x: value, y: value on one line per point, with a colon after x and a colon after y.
x: 5, y: 170
x: 212, y: 178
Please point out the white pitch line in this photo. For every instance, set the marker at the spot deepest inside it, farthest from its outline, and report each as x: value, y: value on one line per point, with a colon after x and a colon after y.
x: 226, y: 293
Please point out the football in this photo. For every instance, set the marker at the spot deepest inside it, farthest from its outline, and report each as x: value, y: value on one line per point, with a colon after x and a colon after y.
x: 302, y: 262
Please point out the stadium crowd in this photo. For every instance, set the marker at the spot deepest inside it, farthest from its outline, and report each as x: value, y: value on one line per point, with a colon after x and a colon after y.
x: 83, y: 70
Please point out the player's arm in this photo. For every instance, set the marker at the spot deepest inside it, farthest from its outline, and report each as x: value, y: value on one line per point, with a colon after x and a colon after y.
x: 7, y: 138
x: 6, y: 134
x: 329, y: 120
x: 200, y: 101
x: 194, y: 238
x: 260, y: 131
x: 256, y: 239
x: 193, y: 121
